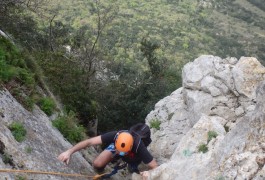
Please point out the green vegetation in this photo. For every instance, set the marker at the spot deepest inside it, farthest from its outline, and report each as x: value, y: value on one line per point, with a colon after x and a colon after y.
x: 124, y: 56
x: 28, y: 150
x: 18, y: 177
x: 7, y: 159
x: 203, y: 148
x: 220, y: 177
x: 18, y: 131
x: 12, y: 65
x: 69, y: 127
x: 47, y: 105
x: 15, y: 74
x: 155, y: 123
x: 211, y: 135
x: 6, y: 72
x: 146, y: 53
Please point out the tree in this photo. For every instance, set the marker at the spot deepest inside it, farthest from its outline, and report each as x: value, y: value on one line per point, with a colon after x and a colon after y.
x: 148, y: 49
x: 77, y: 75
x: 22, y: 27
x: 86, y: 50
x: 128, y: 98
x: 7, y: 5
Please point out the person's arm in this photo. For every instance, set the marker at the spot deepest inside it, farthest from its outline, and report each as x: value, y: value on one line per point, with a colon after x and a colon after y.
x: 152, y: 164
x: 147, y: 159
x: 146, y: 156
x: 65, y: 156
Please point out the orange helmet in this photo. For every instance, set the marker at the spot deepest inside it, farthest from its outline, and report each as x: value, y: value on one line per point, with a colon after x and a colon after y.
x: 124, y: 142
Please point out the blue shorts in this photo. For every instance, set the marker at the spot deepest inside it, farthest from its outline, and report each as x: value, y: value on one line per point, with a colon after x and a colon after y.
x: 111, y: 148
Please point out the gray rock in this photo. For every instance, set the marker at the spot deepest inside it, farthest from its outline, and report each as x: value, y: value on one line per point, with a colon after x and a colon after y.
x: 225, y: 96
x: 42, y: 145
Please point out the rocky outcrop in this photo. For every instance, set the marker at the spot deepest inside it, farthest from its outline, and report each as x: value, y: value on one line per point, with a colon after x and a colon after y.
x: 39, y: 150
x: 213, y: 127
x: 6, y: 36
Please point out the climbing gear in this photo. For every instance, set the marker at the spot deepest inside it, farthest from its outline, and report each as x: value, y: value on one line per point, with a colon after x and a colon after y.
x: 116, y: 168
x: 133, y: 168
x: 99, y: 176
x: 123, y: 142
x: 141, y: 132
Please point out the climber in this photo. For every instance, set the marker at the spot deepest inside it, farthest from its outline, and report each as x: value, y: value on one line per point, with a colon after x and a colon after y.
x: 120, y: 144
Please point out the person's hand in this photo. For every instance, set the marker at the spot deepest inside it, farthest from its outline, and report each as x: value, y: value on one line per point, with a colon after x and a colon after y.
x: 65, y: 157
x: 145, y: 175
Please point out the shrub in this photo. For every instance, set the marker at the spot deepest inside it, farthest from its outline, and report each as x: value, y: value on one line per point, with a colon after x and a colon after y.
x: 28, y: 150
x: 26, y: 77
x: 211, y: 135
x: 28, y: 103
x: 155, y: 123
x: 6, y: 71
x: 18, y: 177
x: 203, y: 148
x: 7, y: 158
x: 18, y: 131
x: 27, y: 100
x: 13, y: 67
x: 69, y: 127
x: 47, y: 105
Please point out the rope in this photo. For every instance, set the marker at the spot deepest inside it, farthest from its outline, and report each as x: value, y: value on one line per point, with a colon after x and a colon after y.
x: 51, y: 173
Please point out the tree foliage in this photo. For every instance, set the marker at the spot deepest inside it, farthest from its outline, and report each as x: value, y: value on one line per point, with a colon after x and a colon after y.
x: 112, y: 60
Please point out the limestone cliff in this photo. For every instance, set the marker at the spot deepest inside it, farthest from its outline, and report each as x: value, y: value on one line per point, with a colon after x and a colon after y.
x: 39, y: 150
x: 224, y: 97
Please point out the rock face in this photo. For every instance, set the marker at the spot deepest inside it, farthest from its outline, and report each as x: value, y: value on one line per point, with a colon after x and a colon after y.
x: 39, y: 150
x: 211, y: 128
x: 42, y: 145
x: 220, y: 110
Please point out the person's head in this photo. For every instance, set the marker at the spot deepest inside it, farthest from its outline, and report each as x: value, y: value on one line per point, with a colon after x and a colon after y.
x: 124, y: 143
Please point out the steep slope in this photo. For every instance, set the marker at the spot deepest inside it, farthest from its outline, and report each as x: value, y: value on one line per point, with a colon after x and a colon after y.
x: 28, y: 140
x: 42, y: 145
x: 214, y: 125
